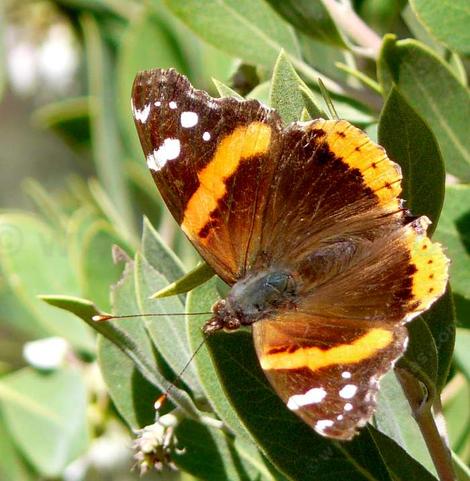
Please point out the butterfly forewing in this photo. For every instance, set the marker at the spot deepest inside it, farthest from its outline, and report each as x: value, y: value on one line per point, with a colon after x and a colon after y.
x: 211, y: 160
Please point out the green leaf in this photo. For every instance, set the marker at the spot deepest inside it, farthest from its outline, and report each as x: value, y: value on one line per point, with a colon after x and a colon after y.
x: 209, y: 454
x: 69, y: 118
x: 462, y: 353
x: 288, y: 443
x: 456, y: 409
x: 247, y: 29
x: 120, y: 338
x: 425, y: 82
x: 131, y: 393
x: 99, y: 270
x: 52, y: 407
x: 393, y: 418
x: 46, y: 204
x: 440, y: 320
x: 34, y: 261
x: 12, y: 464
x: 454, y: 232
x: 311, y: 18
x: 421, y: 357
x: 447, y: 20
x: 225, y: 90
x: 111, y: 211
x: 197, y: 276
x: 286, y: 95
x: 107, y: 151
x: 201, y: 299
x: 400, y: 465
x: 261, y: 92
x: 409, y: 142
x: 167, y: 332
x: 159, y: 255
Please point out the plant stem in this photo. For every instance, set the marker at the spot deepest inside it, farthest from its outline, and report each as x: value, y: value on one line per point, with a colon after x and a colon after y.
x: 353, y: 25
x: 421, y: 410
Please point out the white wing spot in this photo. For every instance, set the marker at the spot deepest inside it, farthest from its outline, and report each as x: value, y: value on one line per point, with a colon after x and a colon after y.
x: 348, y: 407
x: 348, y: 391
x: 322, y: 424
x: 189, y: 119
x: 157, y: 103
x: 169, y: 150
x: 206, y: 136
x: 346, y: 375
x: 142, y: 114
x: 172, y: 105
x: 340, y: 417
x: 312, y: 396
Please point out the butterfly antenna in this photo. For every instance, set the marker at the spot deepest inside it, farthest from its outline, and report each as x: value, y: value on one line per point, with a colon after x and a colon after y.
x: 161, y: 400
x: 108, y: 317
x: 328, y: 101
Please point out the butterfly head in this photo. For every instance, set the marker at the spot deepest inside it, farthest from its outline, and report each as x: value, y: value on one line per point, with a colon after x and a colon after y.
x: 252, y: 299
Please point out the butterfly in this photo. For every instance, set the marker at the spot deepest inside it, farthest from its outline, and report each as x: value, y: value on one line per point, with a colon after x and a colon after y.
x: 305, y: 223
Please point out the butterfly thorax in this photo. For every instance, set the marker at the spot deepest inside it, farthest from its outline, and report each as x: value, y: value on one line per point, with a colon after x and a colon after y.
x: 252, y: 299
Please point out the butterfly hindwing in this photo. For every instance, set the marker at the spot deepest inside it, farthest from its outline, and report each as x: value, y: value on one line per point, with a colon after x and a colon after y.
x: 325, y: 371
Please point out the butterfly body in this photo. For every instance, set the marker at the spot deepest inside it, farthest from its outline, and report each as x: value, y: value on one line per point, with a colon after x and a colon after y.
x: 252, y: 299
x: 305, y: 223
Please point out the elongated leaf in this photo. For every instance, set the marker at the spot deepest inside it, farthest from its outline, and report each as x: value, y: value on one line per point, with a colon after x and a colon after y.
x: 454, y: 232
x: 199, y: 300
x: 33, y: 415
x: 12, y: 463
x: 159, y: 255
x: 197, y: 276
x: 311, y: 18
x: 99, y: 270
x: 46, y: 204
x: 261, y: 92
x: 409, y: 142
x: 286, y: 90
x: 425, y: 82
x: 106, y: 143
x: 400, y: 465
x: 69, y: 118
x: 225, y: 90
x: 120, y: 338
x: 211, y: 455
x: 247, y: 29
x: 394, y: 419
x: 462, y: 353
x: 34, y: 261
x: 131, y: 393
x: 440, y: 320
x: 421, y: 357
x: 447, y: 20
x: 290, y: 444
x: 167, y: 332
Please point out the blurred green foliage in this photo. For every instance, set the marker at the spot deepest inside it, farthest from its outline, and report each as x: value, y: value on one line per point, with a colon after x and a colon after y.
x: 84, y: 241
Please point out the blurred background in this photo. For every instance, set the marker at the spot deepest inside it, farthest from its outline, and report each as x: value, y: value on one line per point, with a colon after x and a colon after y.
x: 73, y: 182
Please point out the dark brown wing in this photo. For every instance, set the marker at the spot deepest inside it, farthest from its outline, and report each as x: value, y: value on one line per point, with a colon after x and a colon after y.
x: 212, y: 161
